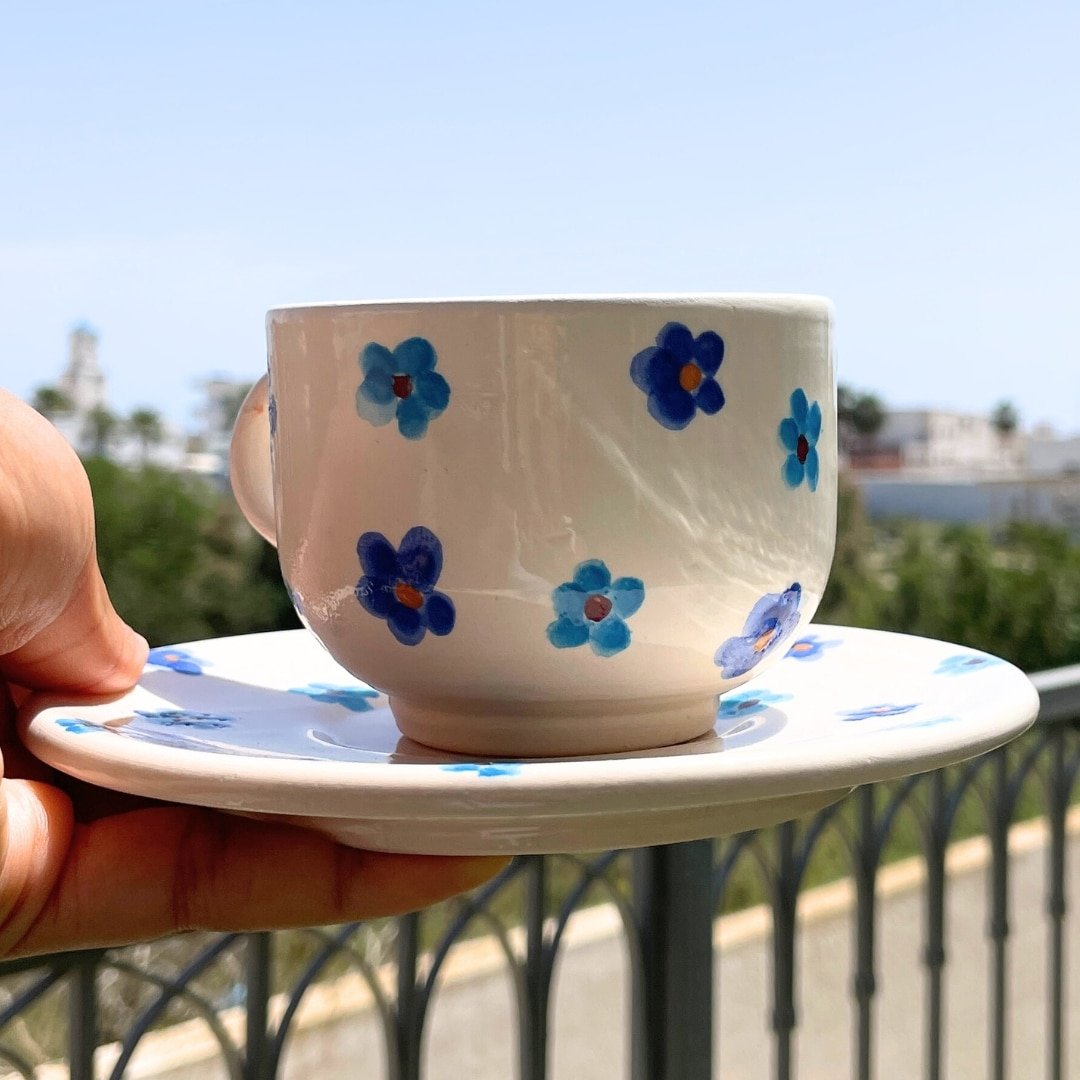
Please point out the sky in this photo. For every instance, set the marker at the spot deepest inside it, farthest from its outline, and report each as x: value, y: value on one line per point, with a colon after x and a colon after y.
x: 171, y: 170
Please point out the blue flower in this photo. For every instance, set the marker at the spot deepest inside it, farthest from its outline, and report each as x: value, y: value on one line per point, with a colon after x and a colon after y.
x: 505, y: 768
x: 402, y: 384
x: 271, y: 410
x: 742, y: 705
x: 770, y: 622
x: 871, y: 711
x: 963, y: 663
x: 811, y: 647
x: 176, y: 660
x: 678, y: 373
x: 399, y: 586
x: 592, y: 608
x: 799, y: 434
x: 353, y: 698
x: 185, y: 718
x: 79, y: 727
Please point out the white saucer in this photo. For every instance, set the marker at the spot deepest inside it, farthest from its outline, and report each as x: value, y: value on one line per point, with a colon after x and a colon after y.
x: 268, y: 724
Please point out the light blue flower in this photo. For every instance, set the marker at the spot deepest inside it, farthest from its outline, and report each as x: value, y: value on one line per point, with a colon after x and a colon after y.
x: 175, y: 660
x: 811, y: 647
x: 402, y: 384
x: 185, y: 718
x: 79, y: 727
x: 772, y: 620
x: 964, y: 663
x: 353, y: 698
x: 738, y: 706
x: 799, y: 434
x: 593, y: 609
x: 869, y: 712
x: 494, y: 768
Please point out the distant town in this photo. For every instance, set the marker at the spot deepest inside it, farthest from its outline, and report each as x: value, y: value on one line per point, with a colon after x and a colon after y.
x: 934, y: 464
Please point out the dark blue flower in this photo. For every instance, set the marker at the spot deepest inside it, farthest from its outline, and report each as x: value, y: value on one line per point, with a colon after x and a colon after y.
x: 811, y: 647
x: 399, y: 586
x: 186, y: 718
x: 402, y: 384
x: 494, y: 768
x: 740, y: 705
x: 271, y: 410
x: 771, y: 622
x: 79, y: 727
x: 353, y: 698
x: 963, y: 663
x: 176, y: 660
x: 678, y: 374
x: 871, y: 711
x: 799, y: 434
x: 592, y: 608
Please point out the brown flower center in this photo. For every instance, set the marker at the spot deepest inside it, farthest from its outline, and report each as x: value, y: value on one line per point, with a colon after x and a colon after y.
x: 406, y: 594
x: 402, y: 386
x: 802, y: 449
x: 690, y: 376
x: 597, y: 607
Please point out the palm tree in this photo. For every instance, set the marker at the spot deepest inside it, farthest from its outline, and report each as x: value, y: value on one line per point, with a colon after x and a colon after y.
x: 99, y: 429
x: 145, y: 424
x: 51, y: 402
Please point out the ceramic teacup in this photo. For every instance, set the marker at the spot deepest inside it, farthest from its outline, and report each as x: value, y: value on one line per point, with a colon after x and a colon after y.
x: 553, y: 526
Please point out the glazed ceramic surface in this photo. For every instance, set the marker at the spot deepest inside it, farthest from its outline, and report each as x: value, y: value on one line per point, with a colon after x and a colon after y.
x: 270, y: 725
x: 548, y: 526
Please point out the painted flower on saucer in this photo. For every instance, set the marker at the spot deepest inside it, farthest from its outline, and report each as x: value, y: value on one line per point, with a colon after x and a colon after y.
x: 402, y: 384
x: 399, y: 586
x: 592, y: 609
x: 492, y: 768
x: 175, y: 660
x: 737, y: 706
x: 353, y: 698
x: 810, y: 647
x: 771, y: 621
x: 869, y: 712
x: 965, y: 663
x: 678, y: 374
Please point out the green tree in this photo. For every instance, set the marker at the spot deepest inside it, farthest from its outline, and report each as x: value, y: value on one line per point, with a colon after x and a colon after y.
x: 858, y: 415
x: 100, y: 429
x: 146, y: 426
x: 51, y: 402
x: 1005, y: 418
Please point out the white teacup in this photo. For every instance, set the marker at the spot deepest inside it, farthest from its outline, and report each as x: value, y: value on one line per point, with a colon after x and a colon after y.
x: 548, y: 526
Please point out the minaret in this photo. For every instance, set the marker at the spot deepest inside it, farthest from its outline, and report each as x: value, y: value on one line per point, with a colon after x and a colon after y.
x: 83, y: 381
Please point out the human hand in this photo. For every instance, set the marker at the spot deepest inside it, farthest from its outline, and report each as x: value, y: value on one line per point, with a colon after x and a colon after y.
x: 83, y: 867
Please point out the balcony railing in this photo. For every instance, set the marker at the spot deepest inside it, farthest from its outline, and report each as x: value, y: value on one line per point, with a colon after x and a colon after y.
x: 248, y: 989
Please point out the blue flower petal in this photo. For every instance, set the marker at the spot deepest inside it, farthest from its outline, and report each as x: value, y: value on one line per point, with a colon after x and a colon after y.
x: 420, y: 558
x: 412, y: 417
x: 709, y: 352
x: 376, y: 357
x: 678, y: 341
x: 709, y: 397
x: 610, y: 636
x: 439, y: 614
x: 376, y: 413
x: 565, y: 634
x: 569, y: 600
x: 592, y: 576
x: 736, y: 657
x: 376, y: 597
x: 789, y: 435
x: 378, y: 388
x: 793, y: 471
x: 799, y: 407
x: 627, y: 595
x: 640, y: 367
x: 406, y: 624
x: 433, y: 390
x: 811, y: 467
x: 413, y: 356
x: 378, y: 557
x: 813, y: 423
x: 674, y: 410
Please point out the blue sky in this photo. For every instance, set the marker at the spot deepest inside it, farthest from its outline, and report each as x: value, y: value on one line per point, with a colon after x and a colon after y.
x: 171, y: 170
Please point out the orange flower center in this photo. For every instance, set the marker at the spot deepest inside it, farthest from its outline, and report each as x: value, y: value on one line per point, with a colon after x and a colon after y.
x: 407, y: 595
x: 690, y: 377
x: 765, y: 639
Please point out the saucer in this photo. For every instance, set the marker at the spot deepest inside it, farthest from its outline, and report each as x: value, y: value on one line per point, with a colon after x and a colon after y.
x: 270, y: 725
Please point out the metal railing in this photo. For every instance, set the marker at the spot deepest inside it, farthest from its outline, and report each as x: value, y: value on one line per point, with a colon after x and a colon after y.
x: 667, y: 898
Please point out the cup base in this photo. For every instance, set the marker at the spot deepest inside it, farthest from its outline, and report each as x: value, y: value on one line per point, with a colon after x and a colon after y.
x: 554, y: 729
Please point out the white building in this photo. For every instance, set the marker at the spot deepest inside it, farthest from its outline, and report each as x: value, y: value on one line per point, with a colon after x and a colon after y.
x: 938, y: 443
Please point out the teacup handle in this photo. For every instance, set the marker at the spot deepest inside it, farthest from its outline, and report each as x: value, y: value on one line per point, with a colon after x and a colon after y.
x: 249, y: 461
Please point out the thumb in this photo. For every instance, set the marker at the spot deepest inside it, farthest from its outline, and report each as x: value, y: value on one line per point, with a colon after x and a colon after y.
x: 87, y: 647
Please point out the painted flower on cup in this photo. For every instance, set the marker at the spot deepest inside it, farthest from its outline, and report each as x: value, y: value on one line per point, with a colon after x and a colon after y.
x: 771, y: 621
x: 353, y: 698
x: 678, y: 374
x: 204, y: 721
x: 964, y: 663
x: 869, y: 712
x: 592, y: 609
x: 811, y: 647
x: 399, y: 586
x: 402, y: 385
x: 175, y: 660
x: 799, y: 434
x: 739, y: 706
x: 494, y: 768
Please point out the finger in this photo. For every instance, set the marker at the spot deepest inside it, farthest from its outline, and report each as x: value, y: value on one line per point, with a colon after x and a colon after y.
x: 86, y: 648
x: 150, y: 872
